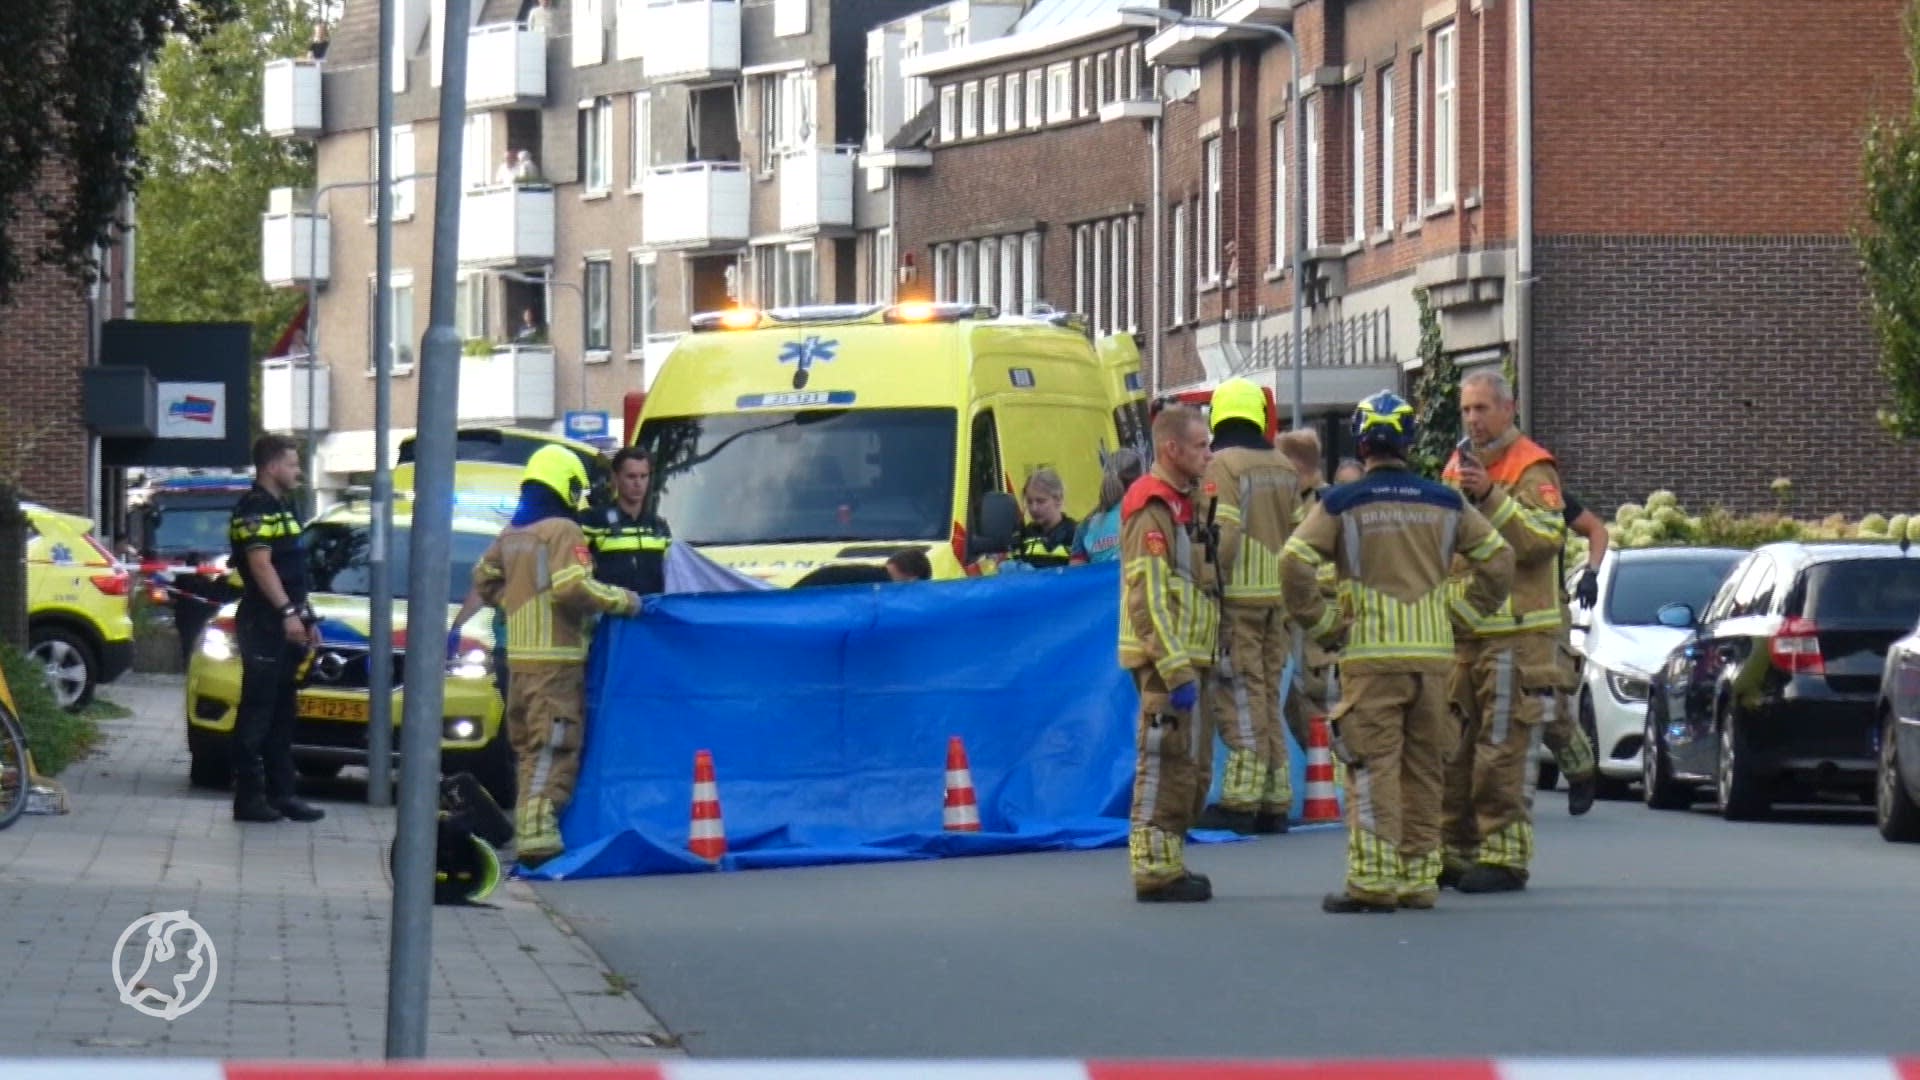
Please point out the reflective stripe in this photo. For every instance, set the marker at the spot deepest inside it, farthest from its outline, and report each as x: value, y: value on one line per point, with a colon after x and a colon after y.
x: 543, y: 764
x: 1449, y: 533
x: 1149, y: 797
x: 1502, y: 699
x: 1486, y: 549
x: 1508, y: 508
x: 1351, y: 524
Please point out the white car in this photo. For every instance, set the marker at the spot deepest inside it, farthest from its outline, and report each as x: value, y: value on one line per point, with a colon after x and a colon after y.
x: 1621, y: 642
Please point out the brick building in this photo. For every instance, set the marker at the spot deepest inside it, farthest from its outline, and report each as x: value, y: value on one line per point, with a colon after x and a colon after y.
x: 685, y: 155
x: 49, y: 335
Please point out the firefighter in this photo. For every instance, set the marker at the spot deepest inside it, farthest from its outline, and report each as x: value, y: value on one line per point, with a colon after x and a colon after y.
x: 540, y: 572
x: 1508, y: 670
x: 1312, y: 687
x: 1392, y: 538
x: 629, y: 541
x: 1572, y: 751
x: 1169, y: 627
x: 277, y: 630
x: 1255, y: 494
x: 1046, y: 539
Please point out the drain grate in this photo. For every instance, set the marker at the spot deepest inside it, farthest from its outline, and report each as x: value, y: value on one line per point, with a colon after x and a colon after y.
x: 593, y: 1038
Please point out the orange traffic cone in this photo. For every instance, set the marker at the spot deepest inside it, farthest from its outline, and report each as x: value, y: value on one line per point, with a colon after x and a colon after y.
x: 1323, y: 802
x: 962, y: 813
x: 708, y: 836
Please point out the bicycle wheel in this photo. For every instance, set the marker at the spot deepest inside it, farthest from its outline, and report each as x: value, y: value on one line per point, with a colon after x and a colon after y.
x: 14, y: 778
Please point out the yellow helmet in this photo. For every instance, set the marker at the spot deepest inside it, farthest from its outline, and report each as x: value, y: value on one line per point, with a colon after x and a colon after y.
x: 561, y: 471
x: 1239, y: 399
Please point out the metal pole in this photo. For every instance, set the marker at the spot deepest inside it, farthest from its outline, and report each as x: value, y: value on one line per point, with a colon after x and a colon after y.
x: 313, y: 346
x: 427, y: 586
x: 1299, y: 234
x: 380, y: 628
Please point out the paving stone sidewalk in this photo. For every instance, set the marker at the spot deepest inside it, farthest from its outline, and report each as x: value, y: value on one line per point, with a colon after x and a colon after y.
x: 299, y: 919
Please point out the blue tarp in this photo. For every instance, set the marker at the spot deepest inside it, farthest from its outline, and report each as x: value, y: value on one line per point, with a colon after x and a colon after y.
x: 828, y: 712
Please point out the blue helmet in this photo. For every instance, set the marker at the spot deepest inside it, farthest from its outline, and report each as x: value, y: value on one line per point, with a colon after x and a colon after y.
x: 1384, y: 424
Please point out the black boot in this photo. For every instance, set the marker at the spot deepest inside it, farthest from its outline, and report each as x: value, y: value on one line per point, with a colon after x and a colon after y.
x: 1450, y: 876
x: 295, y: 810
x: 1269, y: 824
x: 1219, y: 817
x: 1191, y: 889
x: 1487, y: 878
x: 1581, y: 793
x: 255, y: 808
x: 1343, y: 904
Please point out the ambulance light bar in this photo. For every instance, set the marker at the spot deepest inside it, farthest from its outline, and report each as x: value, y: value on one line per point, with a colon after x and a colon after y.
x: 748, y: 318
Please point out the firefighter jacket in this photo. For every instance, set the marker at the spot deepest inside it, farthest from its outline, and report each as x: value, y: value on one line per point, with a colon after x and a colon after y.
x: 1525, y: 504
x: 629, y: 550
x: 1256, y: 492
x: 542, y: 576
x: 1169, y: 614
x: 1392, y: 538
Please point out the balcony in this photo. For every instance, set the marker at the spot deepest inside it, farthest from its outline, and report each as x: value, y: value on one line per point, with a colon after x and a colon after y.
x: 506, y: 66
x: 283, y: 394
x: 1184, y: 46
x: 816, y: 188
x: 1255, y: 12
x: 1142, y: 108
x: 290, y: 99
x: 512, y: 384
x: 705, y: 37
x: 507, y: 225
x: 294, y: 241
x: 698, y: 204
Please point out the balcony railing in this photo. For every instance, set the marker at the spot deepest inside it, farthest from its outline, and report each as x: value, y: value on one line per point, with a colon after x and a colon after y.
x: 704, y: 37
x: 283, y: 395
x: 512, y: 384
x: 290, y: 99
x: 506, y: 65
x: 506, y: 225
x: 696, y: 204
x: 294, y: 241
x: 816, y: 188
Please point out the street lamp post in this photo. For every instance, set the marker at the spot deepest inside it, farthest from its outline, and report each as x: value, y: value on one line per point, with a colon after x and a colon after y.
x: 1298, y: 108
x: 549, y: 281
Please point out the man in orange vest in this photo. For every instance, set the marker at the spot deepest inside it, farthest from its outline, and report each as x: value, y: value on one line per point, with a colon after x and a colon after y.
x: 1507, y: 664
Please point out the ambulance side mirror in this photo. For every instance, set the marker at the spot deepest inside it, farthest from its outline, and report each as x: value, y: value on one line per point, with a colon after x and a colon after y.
x: 995, y: 522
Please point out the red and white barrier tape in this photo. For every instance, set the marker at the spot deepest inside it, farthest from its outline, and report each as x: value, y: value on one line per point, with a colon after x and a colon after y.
x: 1860, y: 1068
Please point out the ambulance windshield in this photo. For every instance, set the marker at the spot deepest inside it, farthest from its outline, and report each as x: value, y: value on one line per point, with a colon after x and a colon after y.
x: 818, y: 475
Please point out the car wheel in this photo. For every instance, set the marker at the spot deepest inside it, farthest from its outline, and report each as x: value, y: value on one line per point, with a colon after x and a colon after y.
x: 492, y: 765
x: 211, y: 760
x: 1661, y: 790
x: 1739, y: 790
x: 1604, y: 787
x: 1894, y: 810
x: 72, y: 672
x: 1549, y: 777
x: 318, y: 770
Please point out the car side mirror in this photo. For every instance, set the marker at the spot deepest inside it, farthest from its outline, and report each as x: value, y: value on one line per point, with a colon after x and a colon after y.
x: 997, y: 520
x: 1678, y: 616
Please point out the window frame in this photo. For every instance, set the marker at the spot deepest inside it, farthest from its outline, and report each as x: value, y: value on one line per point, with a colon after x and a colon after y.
x: 1282, y: 206
x: 1389, y: 135
x: 1357, y: 136
x: 990, y: 106
x: 639, y: 138
x: 970, y: 109
x: 1036, y: 97
x: 949, y: 113
x: 1213, y: 188
x: 642, y: 318
x: 603, y: 264
x: 596, y: 147
x: 1178, y: 269
x: 1446, y: 115
x: 1059, y: 92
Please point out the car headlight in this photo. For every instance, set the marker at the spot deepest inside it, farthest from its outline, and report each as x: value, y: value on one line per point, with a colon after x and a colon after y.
x: 470, y: 664
x: 1627, y: 686
x: 216, y: 644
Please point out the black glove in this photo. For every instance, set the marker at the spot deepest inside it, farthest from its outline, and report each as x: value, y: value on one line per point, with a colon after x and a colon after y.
x: 1588, y: 591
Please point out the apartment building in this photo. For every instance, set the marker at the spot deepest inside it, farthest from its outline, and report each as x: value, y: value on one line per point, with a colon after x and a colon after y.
x: 626, y: 163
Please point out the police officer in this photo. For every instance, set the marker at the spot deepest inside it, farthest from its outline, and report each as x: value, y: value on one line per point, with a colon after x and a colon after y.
x: 1508, y: 670
x: 276, y: 629
x: 1169, y: 628
x: 629, y: 541
x: 1046, y: 538
x: 1392, y: 538
x: 1255, y: 495
x: 540, y: 572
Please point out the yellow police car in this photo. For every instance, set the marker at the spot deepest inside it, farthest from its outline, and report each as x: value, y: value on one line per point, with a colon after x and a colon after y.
x: 333, y: 700
x: 78, y: 624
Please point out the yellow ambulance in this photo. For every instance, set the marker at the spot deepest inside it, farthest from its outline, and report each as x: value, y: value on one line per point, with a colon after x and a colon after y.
x: 790, y: 441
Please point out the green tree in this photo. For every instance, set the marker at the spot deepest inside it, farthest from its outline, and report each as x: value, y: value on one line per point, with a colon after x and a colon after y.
x: 1889, y: 246
x: 212, y: 166
x: 1436, y: 395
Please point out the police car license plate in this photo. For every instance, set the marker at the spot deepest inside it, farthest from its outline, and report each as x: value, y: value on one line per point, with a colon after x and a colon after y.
x: 313, y: 707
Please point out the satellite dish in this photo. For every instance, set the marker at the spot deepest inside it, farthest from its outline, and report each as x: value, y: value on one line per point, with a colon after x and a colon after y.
x: 1180, y: 83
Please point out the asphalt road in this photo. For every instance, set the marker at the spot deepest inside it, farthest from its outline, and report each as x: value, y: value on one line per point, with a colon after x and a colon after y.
x: 1643, y: 932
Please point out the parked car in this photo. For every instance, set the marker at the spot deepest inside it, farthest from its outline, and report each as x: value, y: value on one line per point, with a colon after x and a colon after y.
x: 1772, y: 694
x: 1622, y: 642
x: 1896, y: 789
x: 79, y: 626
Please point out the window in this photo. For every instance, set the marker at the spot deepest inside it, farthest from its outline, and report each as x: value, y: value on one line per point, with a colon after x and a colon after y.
x: 1419, y: 132
x: 1179, y: 274
x: 797, y: 277
x: 964, y: 269
x: 1015, y: 109
x: 1313, y: 171
x: 1096, y: 286
x: 789, y: 17
x: 1281, y: 131
x: 1131, y: 58
x: 943, y: 273
x: 970, y: 110
x: 1009, y: 274
x: 949, y: 113
x: 1059, y: 92
x: 643, y: 302
x: 1082, y: 237
x: 1445, y: 116
x: 470, y: 307
x: 401, y: 296
x: 642, y: 139
x: 476, y: 151
x: 1133, y: 273
x: 1357, y: 109
x: 1086, y: 86
x: 1209, y: 250
x: 1036, y: 98
x: 589, y: 32
x: 1103, y: 78
x: 769, y: 121
x: 876, y: 100
x: 403, y: 165
x: 990, y: 107
x: 1389, y: 131
x: 1117, y: 277
x: 989, y: 265
x: 883, y: 266
x: 596, y: 145
x: 599, y: 329
x: 1030, y: 270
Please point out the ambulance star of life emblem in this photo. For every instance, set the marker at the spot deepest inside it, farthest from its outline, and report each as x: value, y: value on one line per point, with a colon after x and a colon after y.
x: 803, y: 354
